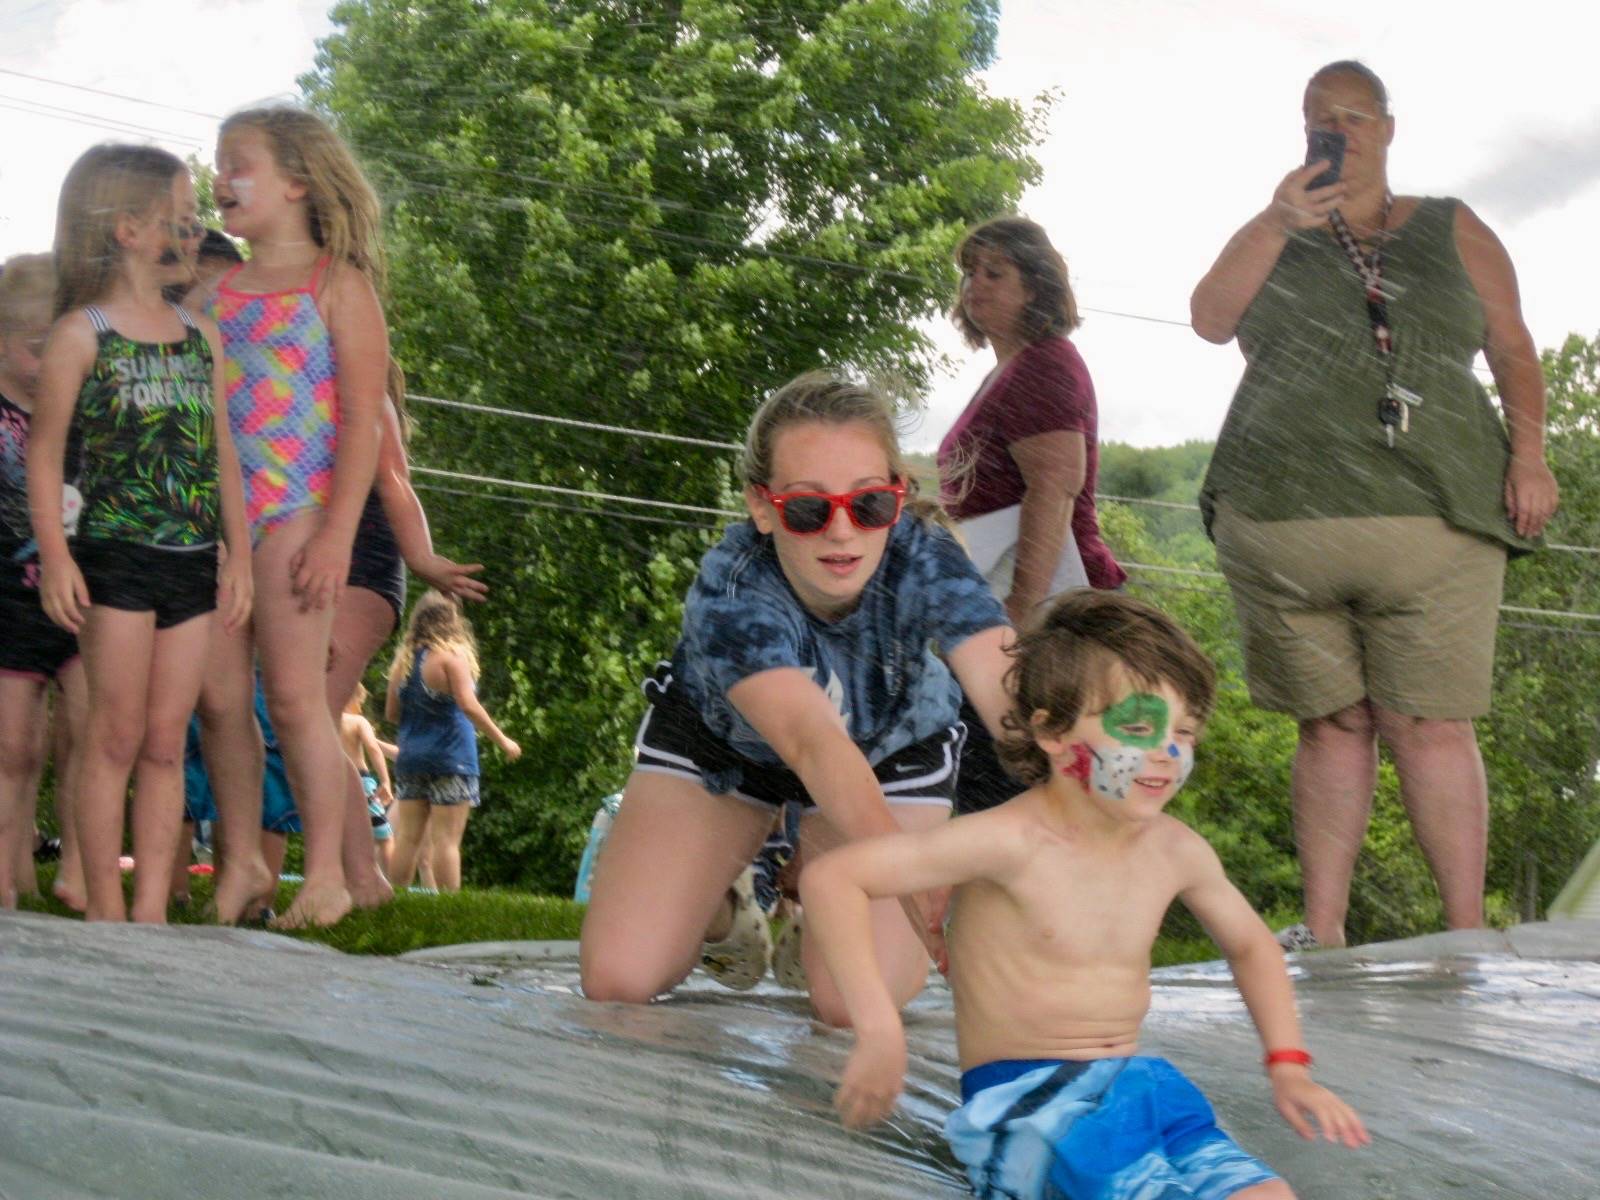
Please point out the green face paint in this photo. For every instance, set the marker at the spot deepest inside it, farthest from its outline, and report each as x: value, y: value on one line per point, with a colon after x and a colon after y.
x: 1141, y: 708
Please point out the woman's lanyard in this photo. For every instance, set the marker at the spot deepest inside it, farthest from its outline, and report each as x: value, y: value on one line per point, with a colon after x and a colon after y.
x: 1394, y: 408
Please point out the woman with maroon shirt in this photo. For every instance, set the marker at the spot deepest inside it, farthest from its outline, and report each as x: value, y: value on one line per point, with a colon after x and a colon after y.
x: 1026, y: 442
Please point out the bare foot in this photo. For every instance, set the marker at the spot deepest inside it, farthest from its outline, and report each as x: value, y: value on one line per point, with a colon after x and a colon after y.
x: 316, y: 904
x: 238, y: 886
x: 371, y: 893
x: 70, y: 892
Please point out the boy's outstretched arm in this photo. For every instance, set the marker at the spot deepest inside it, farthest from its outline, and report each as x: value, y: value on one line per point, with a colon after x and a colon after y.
x: 1263, y: 980
x: 836, y: 891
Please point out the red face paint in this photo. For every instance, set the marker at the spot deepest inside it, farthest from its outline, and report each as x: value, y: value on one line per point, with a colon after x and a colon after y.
x: 1078, y: 768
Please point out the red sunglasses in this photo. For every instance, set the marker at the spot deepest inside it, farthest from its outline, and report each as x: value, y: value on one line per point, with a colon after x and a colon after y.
x: 875, y: 507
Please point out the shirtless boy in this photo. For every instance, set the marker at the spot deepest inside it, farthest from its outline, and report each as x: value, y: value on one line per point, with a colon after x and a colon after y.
x: 1060, y: 893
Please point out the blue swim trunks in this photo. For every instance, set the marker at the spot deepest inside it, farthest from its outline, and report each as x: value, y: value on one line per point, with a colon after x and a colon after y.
x: 1110, y: 1129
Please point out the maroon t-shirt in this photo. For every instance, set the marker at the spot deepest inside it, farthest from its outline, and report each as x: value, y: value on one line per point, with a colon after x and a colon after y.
x: 1044, y: 389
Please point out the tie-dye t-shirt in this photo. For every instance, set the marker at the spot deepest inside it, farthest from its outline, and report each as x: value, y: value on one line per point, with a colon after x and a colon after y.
x: 19, y: 552
x: 876, y: 664
x: 149, y: 445
x: 283, y: 403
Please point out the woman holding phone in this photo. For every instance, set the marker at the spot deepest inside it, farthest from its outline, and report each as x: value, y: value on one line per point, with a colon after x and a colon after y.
x: 1364, y: 494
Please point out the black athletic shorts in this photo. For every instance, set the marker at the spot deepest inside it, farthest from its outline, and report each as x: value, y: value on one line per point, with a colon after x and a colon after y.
x: 177, y: 585
x: 375, y: 562
x: 984, y: 782
x: 30, y: 643
x: 673, y: 740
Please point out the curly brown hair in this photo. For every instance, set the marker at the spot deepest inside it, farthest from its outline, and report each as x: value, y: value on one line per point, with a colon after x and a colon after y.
x: 1067, y: 662
x: 1053, y: 309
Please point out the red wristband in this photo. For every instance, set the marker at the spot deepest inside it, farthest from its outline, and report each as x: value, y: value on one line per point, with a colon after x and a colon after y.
x: 1300, y: 1058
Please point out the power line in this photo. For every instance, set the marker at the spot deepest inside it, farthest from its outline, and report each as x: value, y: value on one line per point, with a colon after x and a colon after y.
x: 566, y: 491
x: 526, y: 502
x: 593, y: 425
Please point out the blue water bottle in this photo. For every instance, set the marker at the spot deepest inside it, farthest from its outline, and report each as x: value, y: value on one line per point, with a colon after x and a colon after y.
x: 597, y: 838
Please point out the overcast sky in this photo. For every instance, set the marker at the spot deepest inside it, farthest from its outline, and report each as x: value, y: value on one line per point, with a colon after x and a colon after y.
x: 1174, y: 121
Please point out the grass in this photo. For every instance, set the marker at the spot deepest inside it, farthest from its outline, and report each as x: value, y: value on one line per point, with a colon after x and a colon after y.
x: 415, y: 921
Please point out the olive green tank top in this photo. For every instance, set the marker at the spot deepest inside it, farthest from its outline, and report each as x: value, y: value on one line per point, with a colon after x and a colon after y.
x: 1302, y: 437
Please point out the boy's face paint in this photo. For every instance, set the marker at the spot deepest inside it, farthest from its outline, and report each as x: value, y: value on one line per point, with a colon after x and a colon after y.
x: 1135, y: 743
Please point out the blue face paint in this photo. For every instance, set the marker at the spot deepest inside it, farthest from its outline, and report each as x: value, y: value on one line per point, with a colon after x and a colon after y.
x: 1172, y: 750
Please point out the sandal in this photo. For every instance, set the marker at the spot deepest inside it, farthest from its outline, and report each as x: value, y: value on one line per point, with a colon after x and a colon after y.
x: 786, y: 965
x: 740, y: 959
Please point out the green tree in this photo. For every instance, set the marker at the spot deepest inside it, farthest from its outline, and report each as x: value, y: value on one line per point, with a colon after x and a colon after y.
x: 645, y: 214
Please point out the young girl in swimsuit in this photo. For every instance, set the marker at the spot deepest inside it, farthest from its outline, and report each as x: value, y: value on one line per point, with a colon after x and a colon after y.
x: 307, y: 364
x: 138, y: 376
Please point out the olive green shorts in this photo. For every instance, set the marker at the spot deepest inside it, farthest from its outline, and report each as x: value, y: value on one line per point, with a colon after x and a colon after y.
x: 1401, y: 610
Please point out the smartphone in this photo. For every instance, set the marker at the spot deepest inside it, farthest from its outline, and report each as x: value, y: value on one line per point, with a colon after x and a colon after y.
x: 1325, y: 144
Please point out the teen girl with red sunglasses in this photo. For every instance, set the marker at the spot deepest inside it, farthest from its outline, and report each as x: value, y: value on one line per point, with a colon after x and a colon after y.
x: 805, y: 675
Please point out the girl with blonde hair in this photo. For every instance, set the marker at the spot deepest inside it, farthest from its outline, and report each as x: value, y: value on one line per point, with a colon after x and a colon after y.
x: 308, y: 367
x: 137, y: 378
x: 433, y: 696
x: 804, y: 675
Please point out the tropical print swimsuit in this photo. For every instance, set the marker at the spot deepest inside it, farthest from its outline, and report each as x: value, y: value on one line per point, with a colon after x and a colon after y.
x: 283, y: 402
x: 146, y: 419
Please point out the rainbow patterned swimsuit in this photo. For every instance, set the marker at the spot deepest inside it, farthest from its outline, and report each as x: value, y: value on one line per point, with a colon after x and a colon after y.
x: 283, y: 400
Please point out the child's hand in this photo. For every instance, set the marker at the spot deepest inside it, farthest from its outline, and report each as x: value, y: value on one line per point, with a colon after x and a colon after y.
x: 453, y: 578
x: 1300, y: 1101
x: 63, y: 593
x: 872, y: 1079
x: 510, y: 749
x: 235, y: 590
x: 319, y: 571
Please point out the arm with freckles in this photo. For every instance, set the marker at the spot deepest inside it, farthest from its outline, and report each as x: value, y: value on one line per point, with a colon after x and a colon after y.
x: 361, y: 350
x: 837, y: 890
x: 1263, y: 981
x: 68, y: 358
x: 1053, y: 466
x: 1531, y: 494
x: 980, y: 664
x: 235, y: 588
x: 410, y: 522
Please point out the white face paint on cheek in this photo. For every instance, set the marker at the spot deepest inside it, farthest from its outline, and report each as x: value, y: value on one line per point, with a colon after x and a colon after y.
x: 1185, y: 757
x: 1113, y: 770
x: 242, y: 189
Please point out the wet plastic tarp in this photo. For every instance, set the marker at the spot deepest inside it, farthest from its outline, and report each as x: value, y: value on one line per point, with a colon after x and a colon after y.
x: 220, y: 1063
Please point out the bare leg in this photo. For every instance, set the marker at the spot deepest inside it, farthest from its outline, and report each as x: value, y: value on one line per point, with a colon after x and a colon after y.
x: 1447, y: 798
x: 183, y: 855
x: 1277, y: 1189
x: 274, y: 847
x: 425, y: 876
x: 21, y: 718
x: 72, y: 719
x: 410, y: 820
x: 671, y: 855
x: 27, y: 871
x: 361, y: 624
x: 293, y: 647
x: 1335, y: 773
x: 177, y: 665
x: 902, y: 958
x: 118, y: 648
x: 446, y: 825
x: 230, y: 741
